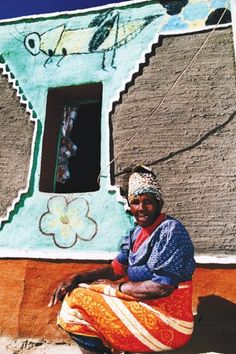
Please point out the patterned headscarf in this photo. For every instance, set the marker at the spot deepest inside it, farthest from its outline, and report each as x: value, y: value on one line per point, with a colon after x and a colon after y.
x: 144, y: 182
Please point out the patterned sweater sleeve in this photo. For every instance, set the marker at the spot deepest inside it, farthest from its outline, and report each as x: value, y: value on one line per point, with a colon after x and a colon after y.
x: 171, y: 259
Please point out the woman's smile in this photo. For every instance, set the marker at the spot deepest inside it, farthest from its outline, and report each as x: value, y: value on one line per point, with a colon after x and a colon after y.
x: 142, y: 217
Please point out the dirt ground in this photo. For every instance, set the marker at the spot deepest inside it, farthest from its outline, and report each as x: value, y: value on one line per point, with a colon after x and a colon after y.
x: 9, y: 346
x: 27, y: 346
x: 24, y: 346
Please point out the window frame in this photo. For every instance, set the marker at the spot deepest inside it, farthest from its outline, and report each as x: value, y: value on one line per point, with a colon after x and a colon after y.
x: 56, y: 99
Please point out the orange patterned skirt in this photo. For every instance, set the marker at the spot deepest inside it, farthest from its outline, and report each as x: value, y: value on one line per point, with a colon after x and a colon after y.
x: 124, y: 323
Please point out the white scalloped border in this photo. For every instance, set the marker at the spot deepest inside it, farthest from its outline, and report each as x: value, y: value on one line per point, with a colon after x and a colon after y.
x: 13, y: 81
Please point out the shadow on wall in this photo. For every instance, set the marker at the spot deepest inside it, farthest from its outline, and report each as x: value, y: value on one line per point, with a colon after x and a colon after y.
x: 215, y: 330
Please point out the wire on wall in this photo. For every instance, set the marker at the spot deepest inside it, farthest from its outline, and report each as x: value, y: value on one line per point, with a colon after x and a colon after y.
x: 168, y: 92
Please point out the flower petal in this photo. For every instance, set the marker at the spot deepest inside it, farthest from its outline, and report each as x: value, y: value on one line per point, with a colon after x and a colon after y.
x: 87, y: 230
x: 66, y: 238
x: 49, y: 224
x: 57, y: 205
x: 78, y: 206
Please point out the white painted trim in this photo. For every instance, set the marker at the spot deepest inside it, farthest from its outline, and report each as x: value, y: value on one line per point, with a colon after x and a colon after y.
x: 101, y: 7
x: 72, y: 12
x: 59, y: 254
x: 216, y: 259
x: 101, y: 256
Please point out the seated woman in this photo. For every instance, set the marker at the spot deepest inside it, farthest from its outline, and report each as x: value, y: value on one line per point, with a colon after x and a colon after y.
x: 151, y: 309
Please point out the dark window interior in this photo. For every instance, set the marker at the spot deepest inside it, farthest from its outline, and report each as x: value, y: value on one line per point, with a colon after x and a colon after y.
x: 84, y: 167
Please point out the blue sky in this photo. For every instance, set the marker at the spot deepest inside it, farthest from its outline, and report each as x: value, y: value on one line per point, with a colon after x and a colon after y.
x: 16, y: 8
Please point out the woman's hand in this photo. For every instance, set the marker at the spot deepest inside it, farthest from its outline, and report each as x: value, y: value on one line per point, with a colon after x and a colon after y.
x: 83, y: 277
x: 62, y: 289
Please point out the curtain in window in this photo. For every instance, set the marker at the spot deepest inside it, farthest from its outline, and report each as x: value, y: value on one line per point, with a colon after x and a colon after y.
x: 67, y: 147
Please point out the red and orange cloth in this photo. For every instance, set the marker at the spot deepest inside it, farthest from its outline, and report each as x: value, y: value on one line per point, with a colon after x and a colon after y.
x: 125, y: 323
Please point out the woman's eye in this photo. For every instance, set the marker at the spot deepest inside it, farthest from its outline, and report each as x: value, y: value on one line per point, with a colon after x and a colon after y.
x: 145, y: 201
x: 134, y: 202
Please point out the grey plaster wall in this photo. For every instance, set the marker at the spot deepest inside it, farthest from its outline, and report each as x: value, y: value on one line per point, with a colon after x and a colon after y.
x: 190, y: 140
x: 16, y: 131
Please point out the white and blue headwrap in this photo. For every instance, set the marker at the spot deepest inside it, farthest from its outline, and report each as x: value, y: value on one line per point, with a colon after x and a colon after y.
x: 144, y: 183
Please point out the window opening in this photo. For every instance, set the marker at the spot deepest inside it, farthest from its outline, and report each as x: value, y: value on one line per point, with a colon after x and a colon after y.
x: 72, y: 138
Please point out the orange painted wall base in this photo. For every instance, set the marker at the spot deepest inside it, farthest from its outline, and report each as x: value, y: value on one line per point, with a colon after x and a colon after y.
x: 26, y: 285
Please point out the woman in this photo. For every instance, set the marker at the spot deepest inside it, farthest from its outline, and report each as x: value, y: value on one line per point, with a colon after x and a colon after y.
x: 150, y: 310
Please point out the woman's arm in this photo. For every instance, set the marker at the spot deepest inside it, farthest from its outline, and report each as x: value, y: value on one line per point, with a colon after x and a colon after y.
x: 82, y: 277
x: 146, y: 289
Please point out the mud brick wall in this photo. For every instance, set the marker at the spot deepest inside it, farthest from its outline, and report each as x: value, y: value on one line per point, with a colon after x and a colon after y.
x: 190, y: 140
x: 16, y: 132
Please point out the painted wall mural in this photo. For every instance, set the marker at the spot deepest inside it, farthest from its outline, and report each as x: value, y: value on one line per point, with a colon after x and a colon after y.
x: 66, y: 221
x: 105, y: 33
x: 73, y: 49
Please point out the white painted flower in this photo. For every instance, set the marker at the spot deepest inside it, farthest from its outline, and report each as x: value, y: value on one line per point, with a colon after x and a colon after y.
x: 67, y: 221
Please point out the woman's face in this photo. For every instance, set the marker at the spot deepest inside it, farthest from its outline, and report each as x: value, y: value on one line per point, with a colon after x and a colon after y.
x: 145, y: 209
